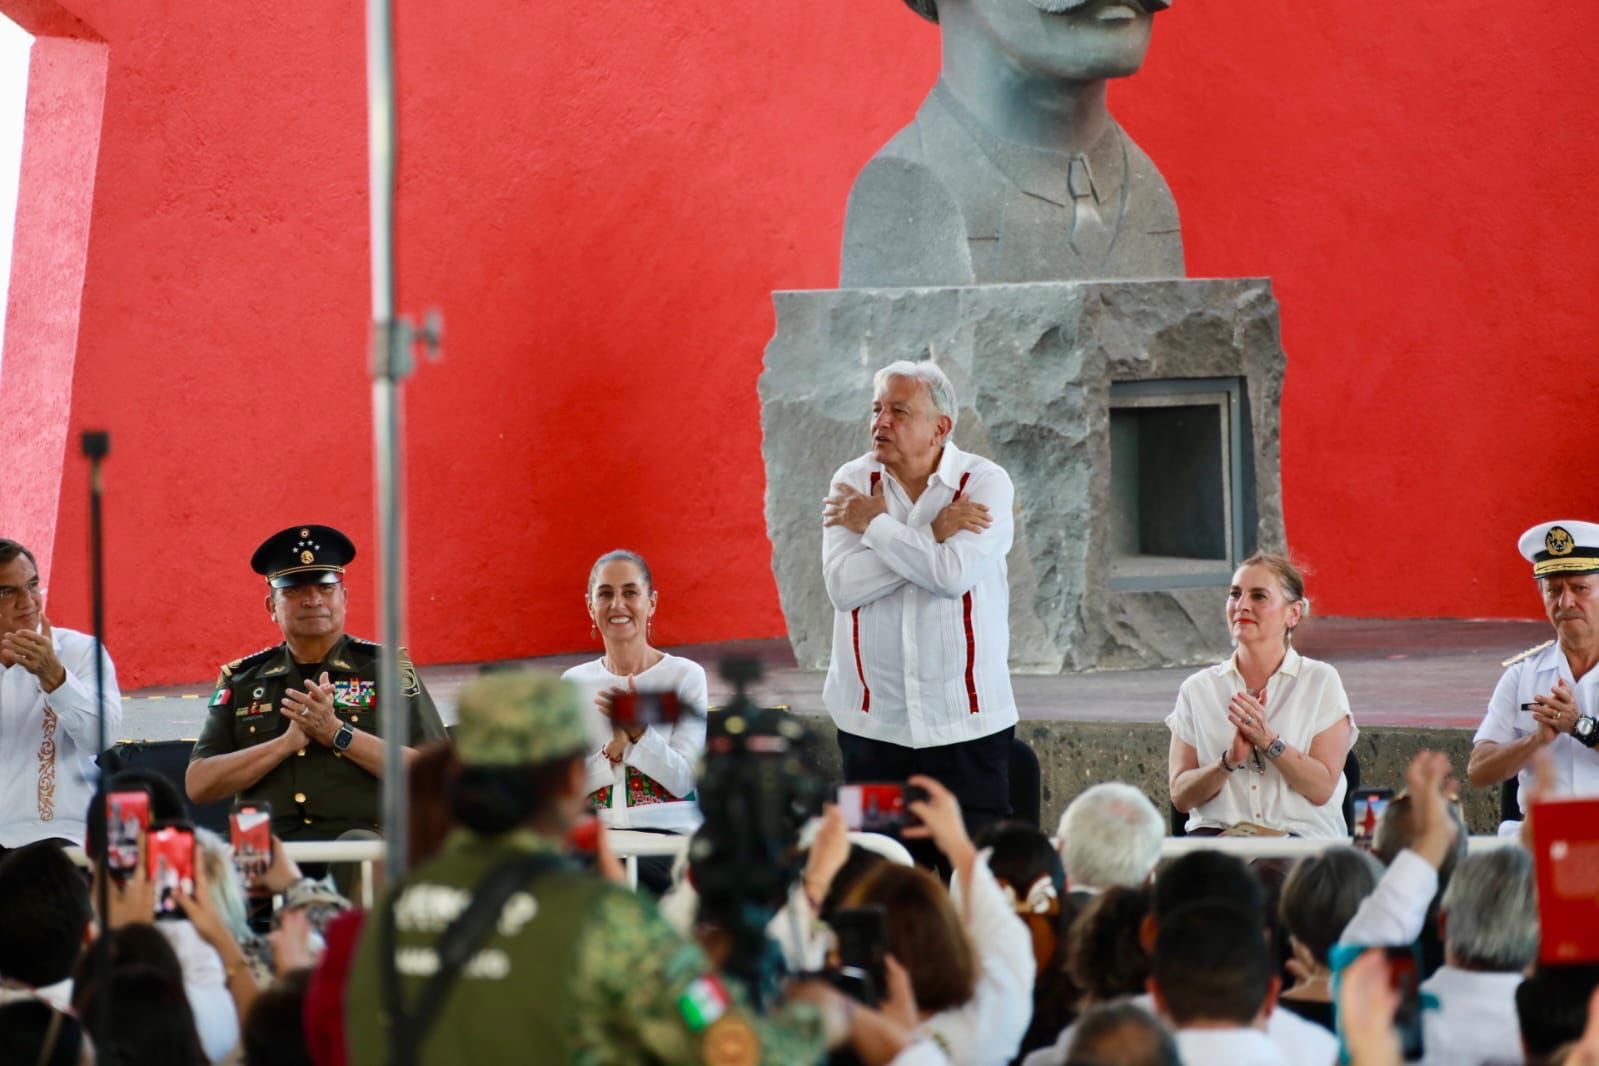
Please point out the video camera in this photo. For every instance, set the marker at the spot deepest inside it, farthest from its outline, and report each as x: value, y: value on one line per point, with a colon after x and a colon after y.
x: 758, y: 789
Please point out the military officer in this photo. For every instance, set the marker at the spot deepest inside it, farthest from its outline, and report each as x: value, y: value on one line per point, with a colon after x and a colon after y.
x: 1549, y: 695
x: 563, y: 967
x: 299, y: 725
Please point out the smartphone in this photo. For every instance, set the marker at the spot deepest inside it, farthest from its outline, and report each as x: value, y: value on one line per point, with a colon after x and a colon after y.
x: 646, y: 708
x: 127, y: 816
x: 250, y: 831
x: 880, y: 807
x: 1404, y: 976
x: 169, y: 857
x: 861, y: 934
x: 1369, y: 805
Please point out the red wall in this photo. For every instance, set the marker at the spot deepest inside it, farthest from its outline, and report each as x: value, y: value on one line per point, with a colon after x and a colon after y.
x: 601, y: 196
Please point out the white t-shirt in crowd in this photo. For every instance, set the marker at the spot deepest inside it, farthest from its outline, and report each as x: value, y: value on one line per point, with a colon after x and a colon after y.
x: 667, y: 755
x: 1303, y: 699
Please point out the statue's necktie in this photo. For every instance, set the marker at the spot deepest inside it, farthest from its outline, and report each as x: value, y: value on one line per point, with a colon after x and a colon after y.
x: 1090, y: 237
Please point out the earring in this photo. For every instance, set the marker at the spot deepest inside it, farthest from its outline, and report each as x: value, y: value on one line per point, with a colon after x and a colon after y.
x: 594, y: 631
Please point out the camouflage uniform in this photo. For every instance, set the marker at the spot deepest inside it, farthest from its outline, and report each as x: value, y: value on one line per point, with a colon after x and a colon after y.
x: 318, y: 794
x: 575, y: 969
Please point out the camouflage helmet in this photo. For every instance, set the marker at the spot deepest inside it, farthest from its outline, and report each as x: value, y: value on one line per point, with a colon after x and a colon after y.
x: 519, y: 719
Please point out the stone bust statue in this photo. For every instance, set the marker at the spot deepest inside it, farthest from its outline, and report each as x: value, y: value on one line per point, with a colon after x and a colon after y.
x: 1013, y: 170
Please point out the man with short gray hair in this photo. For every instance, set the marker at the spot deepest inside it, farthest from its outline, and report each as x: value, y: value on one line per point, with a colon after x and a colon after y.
x: 1489, y: 921
x: 1110, y: 835
x: 913, y: 555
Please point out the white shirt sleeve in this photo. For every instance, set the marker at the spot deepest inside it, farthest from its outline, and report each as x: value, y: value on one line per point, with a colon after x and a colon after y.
x: 1499, y: 724
x: 1396, y: 910
x: 206, y: 987
x: 952, y: 568
x: 73, y: 702
x: 1181, y: 720
x: 853, y: 574
x: 990, y: 1027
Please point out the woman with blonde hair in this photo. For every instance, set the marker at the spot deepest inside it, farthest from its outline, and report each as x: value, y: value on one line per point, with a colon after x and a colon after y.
x: 1258, y: 742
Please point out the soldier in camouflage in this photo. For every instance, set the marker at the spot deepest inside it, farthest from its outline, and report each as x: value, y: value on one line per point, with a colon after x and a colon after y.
x: 573, y: 968
x: 299, y: 725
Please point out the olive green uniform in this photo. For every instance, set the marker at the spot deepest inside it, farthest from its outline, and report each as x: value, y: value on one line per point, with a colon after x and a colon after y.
x: 319, y: 793
x: 576, y: 970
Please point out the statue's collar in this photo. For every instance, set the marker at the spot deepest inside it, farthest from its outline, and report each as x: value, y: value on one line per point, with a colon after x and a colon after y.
x: 1043, y: 173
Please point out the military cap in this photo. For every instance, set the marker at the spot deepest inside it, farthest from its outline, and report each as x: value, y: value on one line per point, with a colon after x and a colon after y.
x: 1565, y: 546
x: 518, y: 719
x: 303, y: 555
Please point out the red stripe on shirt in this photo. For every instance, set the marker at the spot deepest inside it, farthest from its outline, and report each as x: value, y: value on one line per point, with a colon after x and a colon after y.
x: 855, y: 622
x: 971, y: 637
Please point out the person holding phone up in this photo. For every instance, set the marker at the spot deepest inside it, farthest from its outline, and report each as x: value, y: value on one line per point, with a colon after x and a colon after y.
x: 502, y: 949
x: 1258, y: 742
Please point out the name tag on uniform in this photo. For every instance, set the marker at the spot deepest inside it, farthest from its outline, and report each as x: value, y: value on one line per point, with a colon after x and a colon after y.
x: 252, y: 710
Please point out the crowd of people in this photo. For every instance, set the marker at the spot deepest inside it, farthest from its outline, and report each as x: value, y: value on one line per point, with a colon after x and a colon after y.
x: 964, y: 936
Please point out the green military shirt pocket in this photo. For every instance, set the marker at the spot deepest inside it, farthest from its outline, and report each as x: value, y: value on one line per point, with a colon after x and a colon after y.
x: 255, y: 725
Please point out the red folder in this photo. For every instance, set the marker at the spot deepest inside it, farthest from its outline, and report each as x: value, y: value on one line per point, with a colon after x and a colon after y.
x: 1565, y: 847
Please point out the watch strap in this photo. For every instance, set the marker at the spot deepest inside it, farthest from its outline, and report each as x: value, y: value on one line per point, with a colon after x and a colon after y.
x: 1592, y: 738
x: 344, y: 737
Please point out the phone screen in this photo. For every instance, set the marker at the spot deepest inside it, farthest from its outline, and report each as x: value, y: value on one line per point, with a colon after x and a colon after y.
x: 250, y: 830
x: 861, y: 934
x: 127, y: 816
x: 169, y: 854
x: 645, y: 708
x: 882, y: 807
x: 1369, y: 805
x: 1404, y: 974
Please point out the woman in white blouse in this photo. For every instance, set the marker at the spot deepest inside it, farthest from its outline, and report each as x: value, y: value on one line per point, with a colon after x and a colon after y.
x: 1260, y: 740
x: 639, y: 777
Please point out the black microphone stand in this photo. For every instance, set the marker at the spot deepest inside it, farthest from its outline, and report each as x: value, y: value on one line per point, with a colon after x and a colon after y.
x: 96, y: 446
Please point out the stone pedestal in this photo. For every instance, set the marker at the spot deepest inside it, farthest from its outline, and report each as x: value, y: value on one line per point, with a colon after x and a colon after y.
x: 1038, y: 369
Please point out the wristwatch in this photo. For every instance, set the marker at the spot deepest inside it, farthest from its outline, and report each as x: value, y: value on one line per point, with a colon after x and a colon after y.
x: 344, y: 737
x: 1277, y: 748
x: 1586, y: 730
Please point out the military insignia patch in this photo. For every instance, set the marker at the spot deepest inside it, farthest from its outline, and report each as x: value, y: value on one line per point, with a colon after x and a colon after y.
x: 731, y: 1042
x: 259, y: 692
x: 307, y: 557
x: 1558, y: 541
x: 703, y: 1002
x: 221, y: 697
x: 354, y: 693
x: 408, y: 679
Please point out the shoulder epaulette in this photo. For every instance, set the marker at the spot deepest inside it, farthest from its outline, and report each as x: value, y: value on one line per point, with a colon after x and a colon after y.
x: 1529, y: 653
x: 252, y: 659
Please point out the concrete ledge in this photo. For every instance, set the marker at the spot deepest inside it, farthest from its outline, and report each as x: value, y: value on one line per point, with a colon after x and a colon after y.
x: 1075, y: 755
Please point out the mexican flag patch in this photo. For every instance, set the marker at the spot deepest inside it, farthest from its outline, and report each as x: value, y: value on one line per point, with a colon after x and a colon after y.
x: 221, y: 697
x: 703, y: 1002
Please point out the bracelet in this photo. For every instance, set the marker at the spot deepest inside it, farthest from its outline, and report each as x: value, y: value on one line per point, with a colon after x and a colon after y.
x: 1225, y: 766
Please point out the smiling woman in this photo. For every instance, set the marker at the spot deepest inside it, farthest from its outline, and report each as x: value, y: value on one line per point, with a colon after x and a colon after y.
x: 640, y: 773
x: 1259, y: 742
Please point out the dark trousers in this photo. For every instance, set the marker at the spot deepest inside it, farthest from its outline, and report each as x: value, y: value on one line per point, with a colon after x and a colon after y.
x: 976, y: 771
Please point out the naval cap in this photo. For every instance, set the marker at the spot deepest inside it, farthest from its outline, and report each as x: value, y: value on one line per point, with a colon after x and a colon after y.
x: 1564, y: 546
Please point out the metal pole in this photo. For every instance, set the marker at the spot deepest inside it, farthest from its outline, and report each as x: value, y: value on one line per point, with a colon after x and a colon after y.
x: 390, y: 364
x: 97, y: 445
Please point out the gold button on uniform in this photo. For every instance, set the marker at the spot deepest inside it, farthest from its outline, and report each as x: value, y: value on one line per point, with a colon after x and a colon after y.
x: 252, y: 729
x: 308, y: 821
x: 299, y: 797
x: 301, y: 753
x: 354, y: 718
